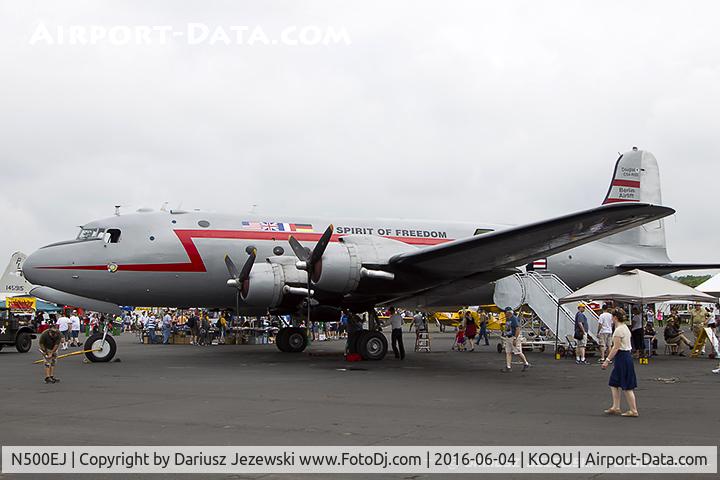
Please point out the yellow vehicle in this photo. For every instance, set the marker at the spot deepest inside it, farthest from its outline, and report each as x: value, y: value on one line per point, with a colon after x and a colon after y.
x: 496, y: 318
x: 445, y: 319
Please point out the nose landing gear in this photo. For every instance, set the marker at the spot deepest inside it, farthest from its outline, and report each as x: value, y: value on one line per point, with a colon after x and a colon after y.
x: 100, y: 348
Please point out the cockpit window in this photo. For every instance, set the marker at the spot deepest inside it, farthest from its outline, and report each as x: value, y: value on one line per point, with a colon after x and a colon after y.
x: 114, y: 235
x: 90, y: 233
x: 480, y: 231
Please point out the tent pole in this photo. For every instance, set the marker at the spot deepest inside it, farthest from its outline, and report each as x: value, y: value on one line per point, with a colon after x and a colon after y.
x: 642, y: 325
x: 557, y: 327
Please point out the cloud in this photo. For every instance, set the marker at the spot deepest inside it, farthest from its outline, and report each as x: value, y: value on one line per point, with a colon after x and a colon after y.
x: 481, y: 111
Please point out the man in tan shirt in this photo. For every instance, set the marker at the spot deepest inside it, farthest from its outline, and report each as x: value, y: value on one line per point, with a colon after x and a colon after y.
x: 698, y: 320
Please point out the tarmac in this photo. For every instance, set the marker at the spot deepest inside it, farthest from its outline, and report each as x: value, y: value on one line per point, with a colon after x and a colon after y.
x: 255, y: 395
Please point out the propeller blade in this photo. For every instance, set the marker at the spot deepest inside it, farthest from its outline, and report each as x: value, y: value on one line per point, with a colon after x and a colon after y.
x: 322, y: 244
x: 310, y: 259
x: 301, y: 252
x: 245, y: 272
x: 232, y: 269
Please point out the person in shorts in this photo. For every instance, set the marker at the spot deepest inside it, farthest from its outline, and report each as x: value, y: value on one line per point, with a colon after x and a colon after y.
x: 49, y: 342
x: 193, y: 325
x: 63, y: 324
x: 605, y: 331
x: 581, y: 329
x: 511, y: 340
x: 74, y: 330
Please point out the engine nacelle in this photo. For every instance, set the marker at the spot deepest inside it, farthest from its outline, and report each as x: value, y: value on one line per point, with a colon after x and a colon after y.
x: 341, y: 267
x: 269, y: 282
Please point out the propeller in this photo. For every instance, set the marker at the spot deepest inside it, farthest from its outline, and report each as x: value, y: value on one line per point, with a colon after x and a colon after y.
x: 311, y: 260
x: 240, y: 279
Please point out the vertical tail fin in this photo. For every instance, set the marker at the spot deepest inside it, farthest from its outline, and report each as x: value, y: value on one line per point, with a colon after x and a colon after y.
x: 13, y: 282
x: 637, y: 179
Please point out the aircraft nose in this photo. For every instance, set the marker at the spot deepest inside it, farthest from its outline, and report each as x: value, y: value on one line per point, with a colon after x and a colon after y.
x: 30, y: 268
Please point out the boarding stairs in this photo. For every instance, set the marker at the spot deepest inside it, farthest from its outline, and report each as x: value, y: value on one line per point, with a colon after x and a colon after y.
x: 540, y: 292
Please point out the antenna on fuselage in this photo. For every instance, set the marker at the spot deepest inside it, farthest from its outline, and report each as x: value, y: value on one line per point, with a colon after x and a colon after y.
x: 164, y: 207
x: 117, y: 210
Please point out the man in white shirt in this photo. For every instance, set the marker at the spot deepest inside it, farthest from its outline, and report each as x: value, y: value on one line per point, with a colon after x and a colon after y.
x: 63, y: 324
x: 75, y: 329
x: 396, y: 322
x: 419, y: 322
x: 605, y: 332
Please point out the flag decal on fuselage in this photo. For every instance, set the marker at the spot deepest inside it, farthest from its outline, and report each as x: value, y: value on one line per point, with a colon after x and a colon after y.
x: 539, y: 264
x: 301, y: 227
x: 277, y: 226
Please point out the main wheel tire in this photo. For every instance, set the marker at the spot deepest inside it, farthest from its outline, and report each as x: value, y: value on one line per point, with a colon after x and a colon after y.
x: 105, y: 351
x: 297, y: 340
x: 23, y: 342
x: 281, y: 340
x: 372, y: 345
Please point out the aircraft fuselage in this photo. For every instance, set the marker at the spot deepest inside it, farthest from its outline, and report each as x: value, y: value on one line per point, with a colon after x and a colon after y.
x: 176, y: 259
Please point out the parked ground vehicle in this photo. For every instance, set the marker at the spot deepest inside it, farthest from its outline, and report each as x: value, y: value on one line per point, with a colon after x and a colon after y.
x: 15, y: 330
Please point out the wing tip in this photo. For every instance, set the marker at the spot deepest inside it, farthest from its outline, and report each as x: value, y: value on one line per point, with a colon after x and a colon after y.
x: 656, y: 210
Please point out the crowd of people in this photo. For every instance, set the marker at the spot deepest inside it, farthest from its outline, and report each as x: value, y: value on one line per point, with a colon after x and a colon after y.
x: 158, y: 327
x: 644, y: 334
x: 618, y: 342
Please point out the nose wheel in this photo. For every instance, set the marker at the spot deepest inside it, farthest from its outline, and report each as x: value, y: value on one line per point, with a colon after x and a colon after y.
x: 100, y: 349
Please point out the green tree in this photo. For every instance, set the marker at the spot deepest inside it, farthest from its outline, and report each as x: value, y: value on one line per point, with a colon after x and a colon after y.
x: 693, y: 280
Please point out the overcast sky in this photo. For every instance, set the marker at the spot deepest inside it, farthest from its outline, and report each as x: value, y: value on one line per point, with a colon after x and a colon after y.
x: 500, y: 111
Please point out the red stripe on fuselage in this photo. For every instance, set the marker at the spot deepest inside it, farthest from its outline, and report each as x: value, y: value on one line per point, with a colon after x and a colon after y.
x: 196, y: 263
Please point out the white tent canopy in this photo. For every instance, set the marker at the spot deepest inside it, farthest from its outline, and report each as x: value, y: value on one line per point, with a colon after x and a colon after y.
x: 711, y: 285
x: 638, y: 287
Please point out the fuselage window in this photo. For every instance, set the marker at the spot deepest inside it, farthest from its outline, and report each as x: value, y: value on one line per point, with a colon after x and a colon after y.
x: 204, y: 223
x: 114, y: 235
x: 481, y: 231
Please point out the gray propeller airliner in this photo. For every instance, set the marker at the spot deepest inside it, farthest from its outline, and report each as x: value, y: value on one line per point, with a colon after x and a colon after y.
x: 189, y: 258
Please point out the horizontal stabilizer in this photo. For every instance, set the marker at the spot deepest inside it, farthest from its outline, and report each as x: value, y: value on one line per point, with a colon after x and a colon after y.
x: 666, y: 268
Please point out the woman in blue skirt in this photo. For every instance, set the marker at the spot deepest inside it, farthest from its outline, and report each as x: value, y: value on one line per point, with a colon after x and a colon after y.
x: 623, y: 373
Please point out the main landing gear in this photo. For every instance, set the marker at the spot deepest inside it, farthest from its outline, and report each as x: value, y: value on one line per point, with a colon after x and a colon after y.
x: 291, y: 339
x: 371, y: 344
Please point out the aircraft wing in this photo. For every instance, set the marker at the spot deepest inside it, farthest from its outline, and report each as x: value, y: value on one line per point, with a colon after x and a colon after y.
x: 519, y: 245
x: 666, y: 268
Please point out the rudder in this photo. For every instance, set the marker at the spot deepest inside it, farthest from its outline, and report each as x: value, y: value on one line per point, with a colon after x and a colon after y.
x: 637, y: 179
